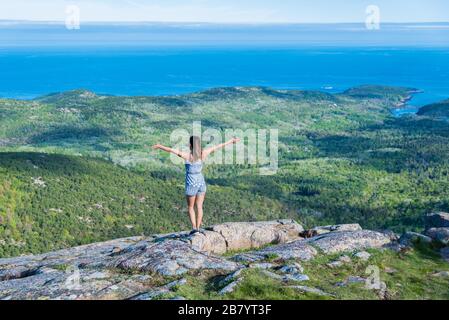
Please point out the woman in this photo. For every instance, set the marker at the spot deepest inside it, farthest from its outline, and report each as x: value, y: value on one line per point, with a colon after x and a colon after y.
x: 195, y: 183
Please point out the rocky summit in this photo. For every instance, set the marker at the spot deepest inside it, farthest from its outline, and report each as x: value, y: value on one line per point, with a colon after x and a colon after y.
x: 142, y: 268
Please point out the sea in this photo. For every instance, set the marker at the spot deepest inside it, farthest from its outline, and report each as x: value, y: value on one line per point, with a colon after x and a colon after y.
x: 164, y: 59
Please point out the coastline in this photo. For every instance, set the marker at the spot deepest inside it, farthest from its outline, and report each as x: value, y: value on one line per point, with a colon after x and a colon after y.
x: 404, y: 108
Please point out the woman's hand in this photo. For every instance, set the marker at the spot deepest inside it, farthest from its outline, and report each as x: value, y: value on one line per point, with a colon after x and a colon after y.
x: 156, y: 146
x: 235, y: 140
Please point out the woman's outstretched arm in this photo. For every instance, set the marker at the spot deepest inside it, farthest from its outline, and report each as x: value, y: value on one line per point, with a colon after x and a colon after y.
x: 180, y: 154
x: 208, y: 151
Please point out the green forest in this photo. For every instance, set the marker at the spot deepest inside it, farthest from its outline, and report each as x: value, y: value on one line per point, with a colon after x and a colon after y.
x: 77, y: 167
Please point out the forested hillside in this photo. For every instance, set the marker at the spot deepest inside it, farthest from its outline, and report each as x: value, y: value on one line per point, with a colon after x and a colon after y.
x: 76, y: 167
x: 53, y: 201
x: 440, y: 109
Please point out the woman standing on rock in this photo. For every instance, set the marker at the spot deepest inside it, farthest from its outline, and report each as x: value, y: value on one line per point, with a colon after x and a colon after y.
x: 195, y: 183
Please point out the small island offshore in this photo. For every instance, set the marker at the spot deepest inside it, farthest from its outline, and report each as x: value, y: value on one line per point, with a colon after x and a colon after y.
x: 354, y: 211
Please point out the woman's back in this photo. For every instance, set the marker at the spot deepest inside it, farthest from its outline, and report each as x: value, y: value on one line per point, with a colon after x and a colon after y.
x: 194, y: 176
x: 194, y: 167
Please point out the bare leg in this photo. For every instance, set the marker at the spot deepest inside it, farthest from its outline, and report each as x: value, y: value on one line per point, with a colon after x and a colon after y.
x: 199, y: 207
x: 191, y: 206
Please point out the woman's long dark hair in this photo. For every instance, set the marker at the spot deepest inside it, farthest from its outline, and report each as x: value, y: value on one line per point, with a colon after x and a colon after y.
x: 195, y: 148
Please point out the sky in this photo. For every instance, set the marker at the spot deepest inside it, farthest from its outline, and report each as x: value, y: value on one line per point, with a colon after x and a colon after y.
x: 227, y: 11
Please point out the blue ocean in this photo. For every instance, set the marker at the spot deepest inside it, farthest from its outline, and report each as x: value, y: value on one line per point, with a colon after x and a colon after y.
x: 160, y: 59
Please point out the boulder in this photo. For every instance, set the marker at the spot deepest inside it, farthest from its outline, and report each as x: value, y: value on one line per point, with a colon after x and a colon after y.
x: 340, y: 262
x: 296, y: 277
x: 263, y: 265
x: 272, y: 275
x: 437, y: 220
x: 312, y: 290
x: 247, y: 235
x: 336, y: 242
x: 362, y: 255
x: 440, y: 235
x: 336, y: 228
x: 230, y: 287
x: 293, y: 272
x: 168, y: 258
x: 445, y: 254
x: 391, y: 234
x: 16, y: 273
x: 291, y: 268
x: 328, y: 243
x: 442, y: 274
x: 410, y: 238
x: 231, y: 277
x: 299, y: 249
x: 209, y: 241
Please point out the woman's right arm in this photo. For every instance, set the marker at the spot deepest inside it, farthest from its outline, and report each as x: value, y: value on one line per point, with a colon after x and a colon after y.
x: 180, y: 154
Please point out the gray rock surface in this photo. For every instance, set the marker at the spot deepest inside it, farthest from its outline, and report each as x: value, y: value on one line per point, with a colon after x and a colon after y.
x: 336, y: 242
x: 168, y: 258
x: 437, y: 220
x: 442, y: 274
x: 272, y: 275
x: 351, y: 280
x: 411, y: 238
x: 335, y: 264
x: 60, y: 285
x: 158, y: 292
x: 128, y: 268
x: 363, y: 255
x: 445, y: 254
x: 88, y: 254
x: 296, y: 277
x: 230, y: 287
x: 291, y: 268
x: 263, y: 265
x: 295, y: 250
x: 312, y: 290
x: 231, y: 277
x: 339, y: 262
x: 328, y: 243
x: 440, y: 235
x: 151, y: 295
x: 337, y: 228
x: 246, y: 235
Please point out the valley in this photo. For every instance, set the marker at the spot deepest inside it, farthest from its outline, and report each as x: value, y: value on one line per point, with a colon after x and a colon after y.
x: 76, y: 167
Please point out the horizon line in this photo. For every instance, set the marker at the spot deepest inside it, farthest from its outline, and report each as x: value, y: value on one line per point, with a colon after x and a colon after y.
x: 220, y: 23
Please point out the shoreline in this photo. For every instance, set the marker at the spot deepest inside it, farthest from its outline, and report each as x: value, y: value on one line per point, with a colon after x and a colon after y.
x: 404, y: 105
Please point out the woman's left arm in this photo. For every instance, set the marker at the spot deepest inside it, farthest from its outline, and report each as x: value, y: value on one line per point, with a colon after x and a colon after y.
x: 209, y: 151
